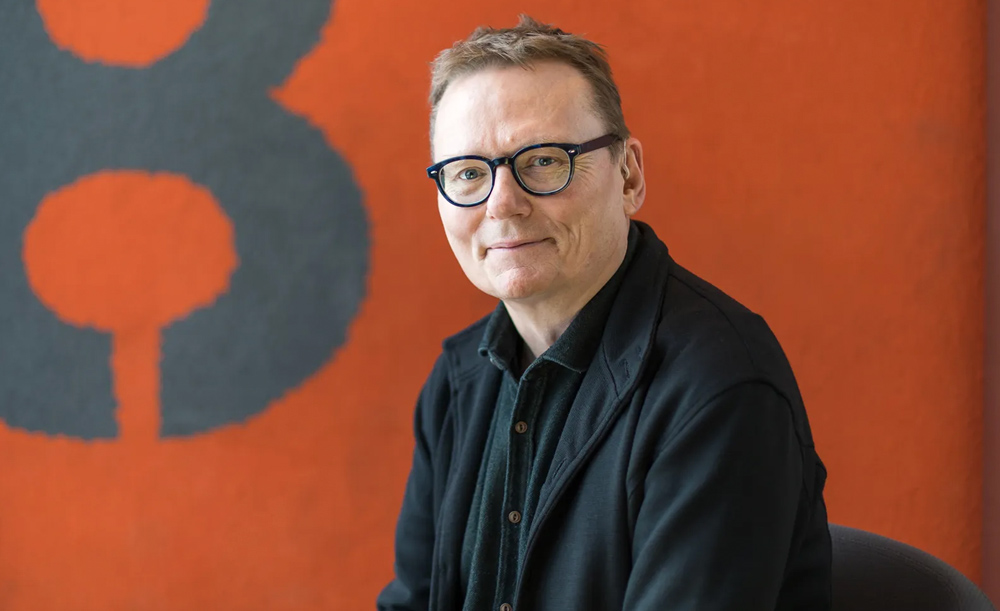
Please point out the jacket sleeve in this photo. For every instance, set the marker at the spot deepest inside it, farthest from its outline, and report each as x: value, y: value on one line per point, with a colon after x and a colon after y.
x: 718, y: 506
x: 410, y: 588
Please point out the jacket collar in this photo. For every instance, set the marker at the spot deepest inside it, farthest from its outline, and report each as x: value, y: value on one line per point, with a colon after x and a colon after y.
x: 632, y: 322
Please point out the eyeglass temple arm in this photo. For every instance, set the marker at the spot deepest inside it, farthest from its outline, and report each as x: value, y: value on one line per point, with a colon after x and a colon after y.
x: 596, y: 143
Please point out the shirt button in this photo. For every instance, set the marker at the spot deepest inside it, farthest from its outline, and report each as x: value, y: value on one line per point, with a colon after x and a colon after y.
x: 521, y: 426
x: 506, y: 607
x: 514, y: 517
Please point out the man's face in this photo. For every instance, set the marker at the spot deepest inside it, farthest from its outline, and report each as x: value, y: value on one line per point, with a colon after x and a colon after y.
x: 522, y: 247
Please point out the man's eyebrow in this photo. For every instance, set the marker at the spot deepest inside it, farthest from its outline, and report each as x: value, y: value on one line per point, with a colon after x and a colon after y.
x: 545, y: 139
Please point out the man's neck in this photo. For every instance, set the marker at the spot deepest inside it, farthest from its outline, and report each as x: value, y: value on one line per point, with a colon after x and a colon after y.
x: 541, y: 322
x: 540, y: 327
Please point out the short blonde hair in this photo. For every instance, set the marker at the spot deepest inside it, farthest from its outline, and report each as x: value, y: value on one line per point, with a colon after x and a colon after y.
x: 522, y: 45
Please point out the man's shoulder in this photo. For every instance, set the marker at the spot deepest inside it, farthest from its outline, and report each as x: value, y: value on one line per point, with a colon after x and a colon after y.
x: 460, y: 351
x: 708, y: 337
x: 459, y: 368
x: 707, y: 343
x: 458, y: 357
x: 693, y: 316
x: 696, y: 310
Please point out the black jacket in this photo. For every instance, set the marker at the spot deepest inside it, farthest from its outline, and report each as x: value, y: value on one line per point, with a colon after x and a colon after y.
x: 685, y: 477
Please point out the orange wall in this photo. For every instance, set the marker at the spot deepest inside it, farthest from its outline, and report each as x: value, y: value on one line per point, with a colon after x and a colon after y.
x: 821, y: 162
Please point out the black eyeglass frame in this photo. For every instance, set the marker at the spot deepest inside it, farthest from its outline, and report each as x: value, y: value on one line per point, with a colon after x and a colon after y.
x: 572, y: 150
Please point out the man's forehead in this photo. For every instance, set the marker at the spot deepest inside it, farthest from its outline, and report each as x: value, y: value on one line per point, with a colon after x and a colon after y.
x: 549, y: 83
x: 504, y: 109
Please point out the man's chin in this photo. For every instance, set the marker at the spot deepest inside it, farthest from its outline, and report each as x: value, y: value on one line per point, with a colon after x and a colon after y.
x: 519, y: 289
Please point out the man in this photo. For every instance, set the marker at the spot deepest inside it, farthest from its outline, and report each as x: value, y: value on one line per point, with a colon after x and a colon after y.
x: 618, y: 434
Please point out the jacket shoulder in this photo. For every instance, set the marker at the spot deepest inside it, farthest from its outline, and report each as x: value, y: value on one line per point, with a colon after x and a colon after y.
x: 459, y: 355
x: 461, y: 350
x: 716, y: 341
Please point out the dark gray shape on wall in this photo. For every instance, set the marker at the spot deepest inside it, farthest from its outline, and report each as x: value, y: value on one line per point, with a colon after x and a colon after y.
x: 302, y: 234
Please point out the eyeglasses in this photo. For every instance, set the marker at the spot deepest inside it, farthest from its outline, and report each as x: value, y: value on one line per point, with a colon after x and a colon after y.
x: 540, y: 169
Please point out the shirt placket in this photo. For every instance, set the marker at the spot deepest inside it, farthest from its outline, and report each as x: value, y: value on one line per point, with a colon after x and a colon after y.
x: 529, y: 396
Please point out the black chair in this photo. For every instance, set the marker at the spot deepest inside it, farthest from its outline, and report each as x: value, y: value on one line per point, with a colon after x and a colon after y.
x: 874, y: 573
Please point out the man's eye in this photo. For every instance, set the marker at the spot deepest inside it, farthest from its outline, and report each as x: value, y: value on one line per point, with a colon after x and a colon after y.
x: 469, y: 174
x: 543, y: 161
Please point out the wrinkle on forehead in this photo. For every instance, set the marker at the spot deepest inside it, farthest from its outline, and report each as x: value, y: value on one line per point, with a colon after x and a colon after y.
x: 497, y: 111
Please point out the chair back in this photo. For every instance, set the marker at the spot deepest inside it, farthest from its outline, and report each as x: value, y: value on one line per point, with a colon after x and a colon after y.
x: 875, y: 573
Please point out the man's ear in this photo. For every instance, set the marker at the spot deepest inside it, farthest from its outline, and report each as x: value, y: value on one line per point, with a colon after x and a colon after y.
x: 633, y: 179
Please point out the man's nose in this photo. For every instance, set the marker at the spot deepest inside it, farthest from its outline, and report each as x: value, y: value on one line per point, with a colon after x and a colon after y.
x: 508, y: 198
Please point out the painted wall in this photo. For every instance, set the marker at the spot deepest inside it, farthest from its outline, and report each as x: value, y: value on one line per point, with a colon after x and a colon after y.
x: 991, y: 274
x: 222, y: 279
